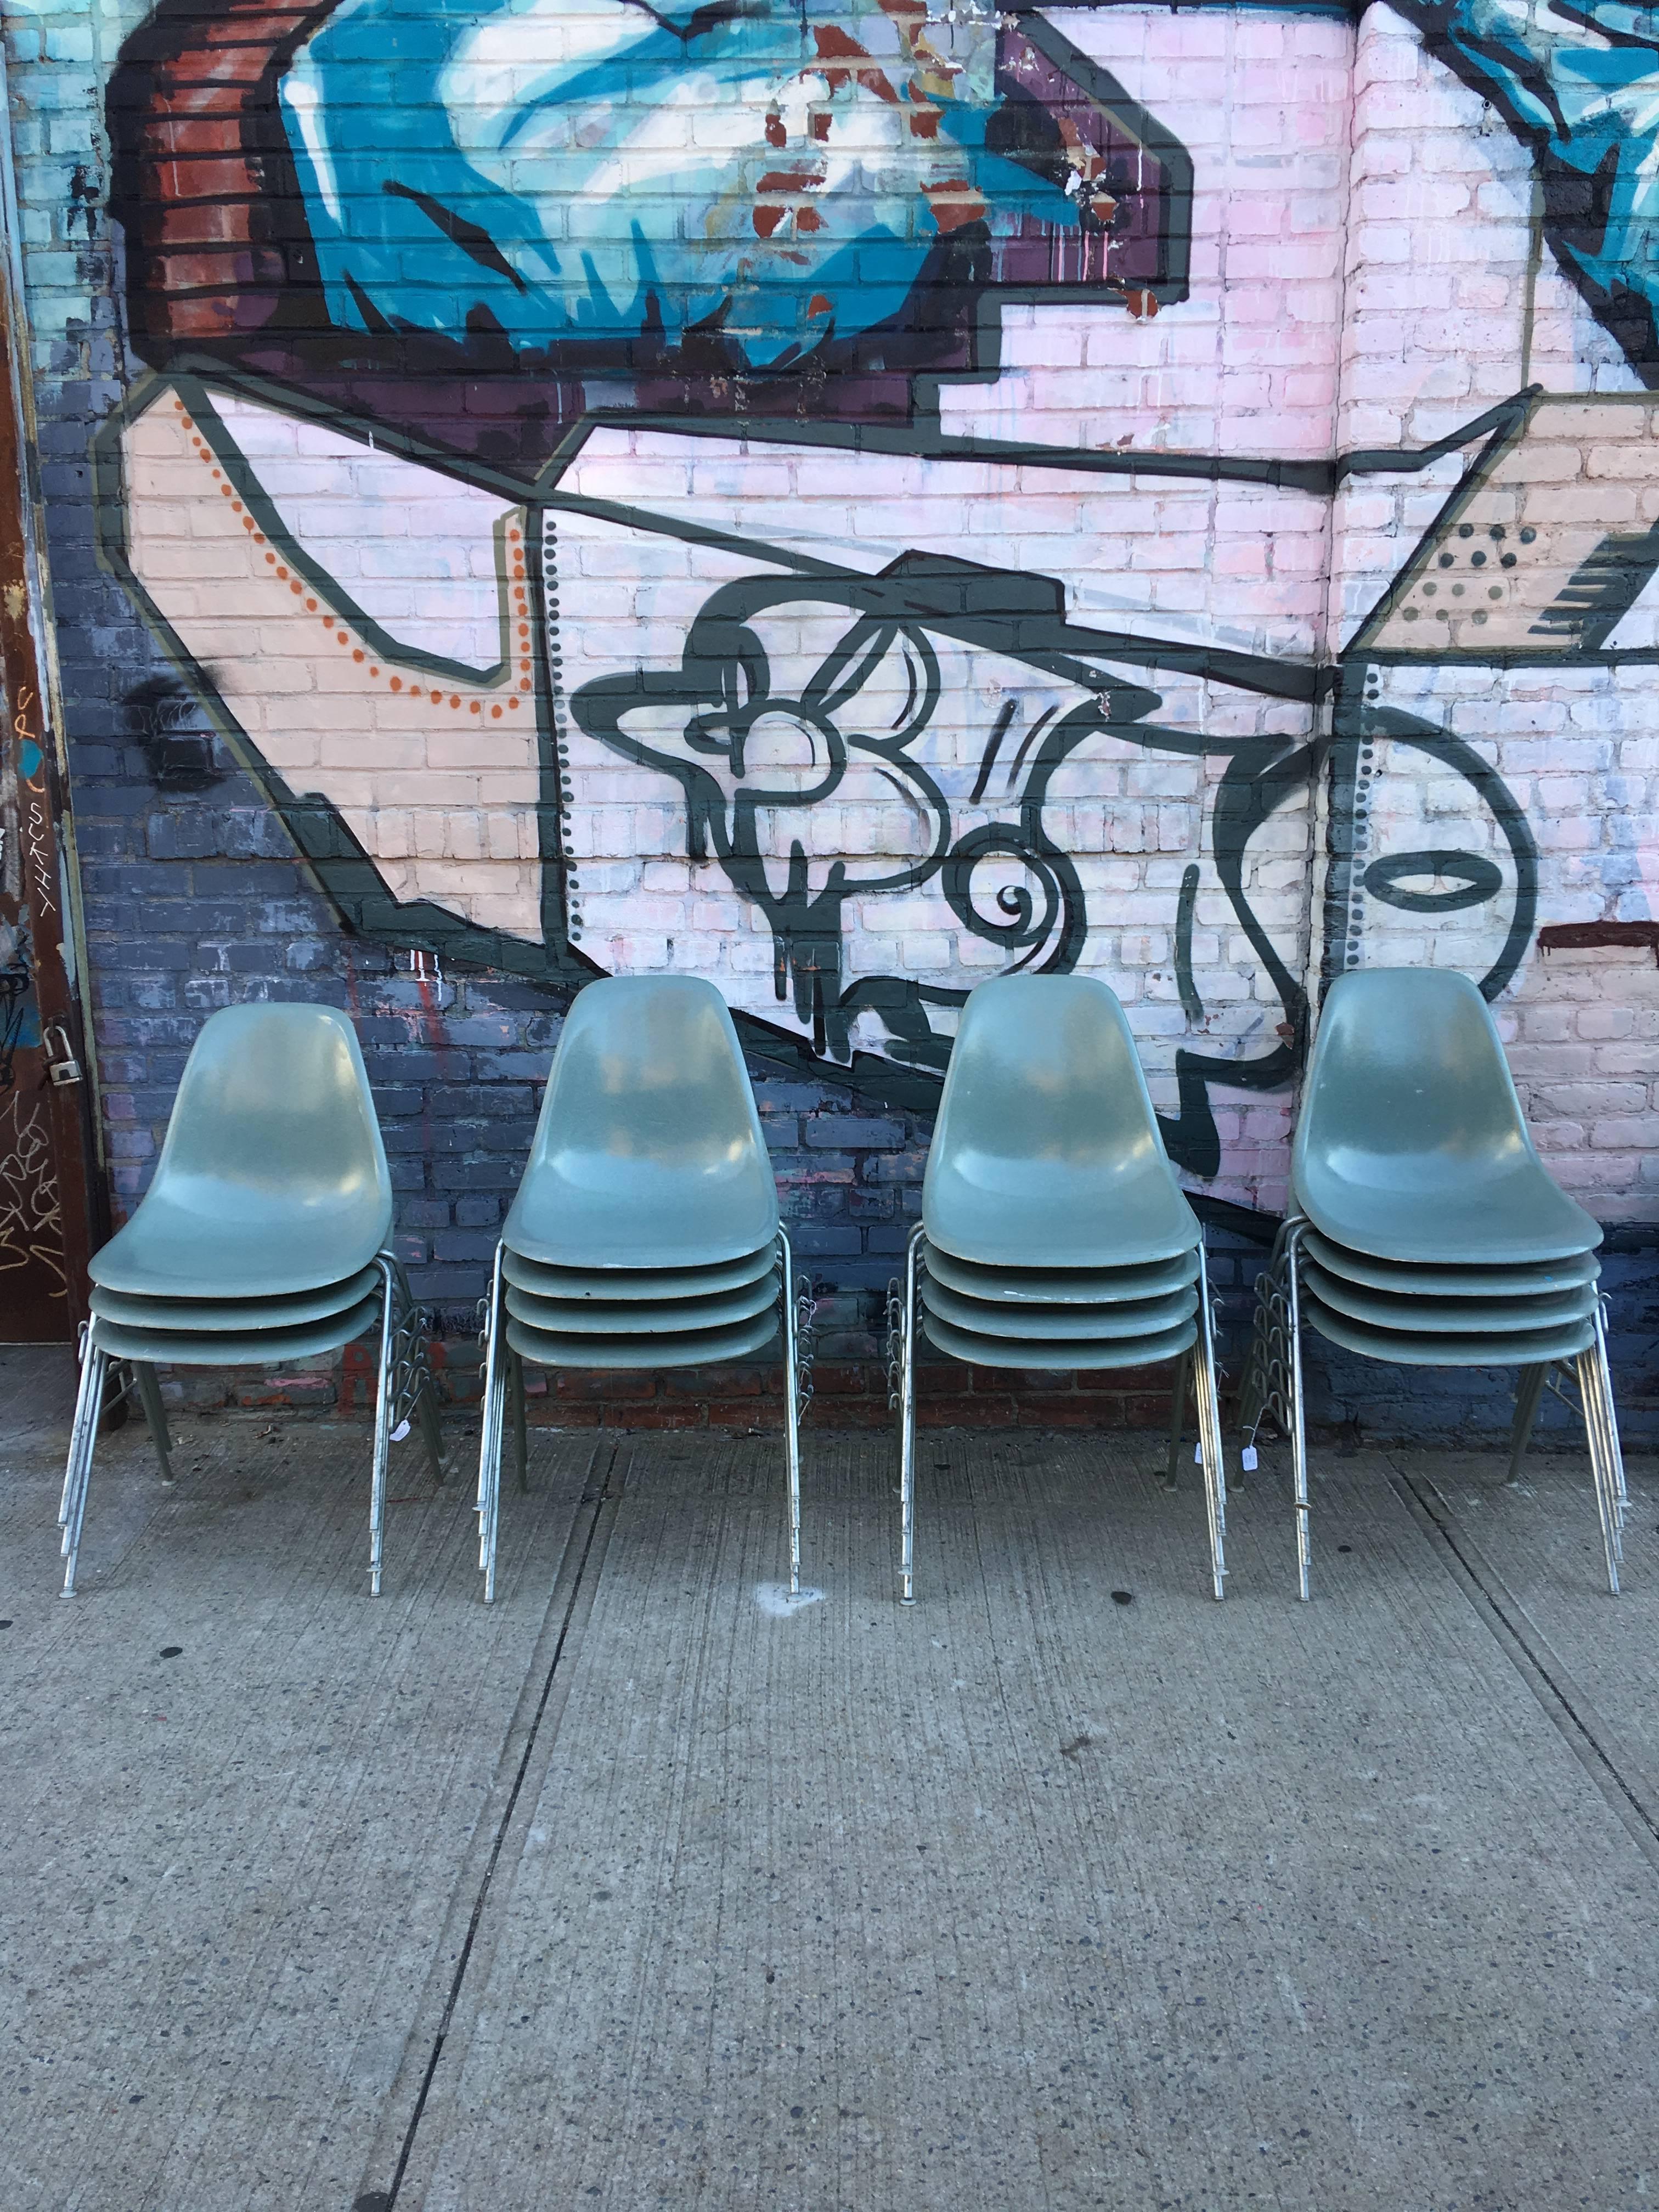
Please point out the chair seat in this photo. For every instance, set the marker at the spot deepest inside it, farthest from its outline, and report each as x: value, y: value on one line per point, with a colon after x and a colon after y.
x: 170, y: 1250
x: 1536, y: 1279
x: 1516, y: 1217
x: 236, y: 1348
x: 172, y: 1315
x: 648, y: 1285
x: 1061, y: 1286
x: 979, y: 1212
x: 694, y: 1348
x: 1448, y: 1317
x: 668, y: 1317
x: 1092, y: 1353
x: 1518, y: 1348
x: 981, y: 1317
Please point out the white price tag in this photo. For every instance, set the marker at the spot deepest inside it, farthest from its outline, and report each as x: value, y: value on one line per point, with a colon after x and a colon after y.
x: 1247, y: 1459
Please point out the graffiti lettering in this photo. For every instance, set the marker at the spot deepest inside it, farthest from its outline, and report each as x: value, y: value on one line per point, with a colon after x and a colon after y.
x: 849, y: 500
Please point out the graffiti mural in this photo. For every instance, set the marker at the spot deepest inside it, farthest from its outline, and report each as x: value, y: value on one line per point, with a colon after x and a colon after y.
x: 849, y: 503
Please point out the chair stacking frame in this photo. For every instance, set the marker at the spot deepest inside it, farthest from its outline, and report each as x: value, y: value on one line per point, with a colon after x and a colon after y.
x: 404, y: 1394
x: 261, y: 1239
x: 649, y: 1200
x: 1048, y: 1188
x: 1416, y: 1193
x: 504, y: 1396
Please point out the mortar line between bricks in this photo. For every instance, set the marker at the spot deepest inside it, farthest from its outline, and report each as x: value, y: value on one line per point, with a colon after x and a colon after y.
x: 1532, y: 1659
x: 604, y: 1505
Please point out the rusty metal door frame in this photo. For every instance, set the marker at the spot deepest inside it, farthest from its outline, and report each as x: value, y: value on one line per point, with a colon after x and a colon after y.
x: 56, y: 1077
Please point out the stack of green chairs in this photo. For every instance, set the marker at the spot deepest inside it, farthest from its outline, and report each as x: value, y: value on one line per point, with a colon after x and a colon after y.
x: 260, y: 1241
x: 1424, y: 1230
x: 644, y: 1233
x: 1053, y: 1233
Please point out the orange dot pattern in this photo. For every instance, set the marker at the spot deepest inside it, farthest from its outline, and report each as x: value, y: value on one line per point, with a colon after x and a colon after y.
x: 343, y: 636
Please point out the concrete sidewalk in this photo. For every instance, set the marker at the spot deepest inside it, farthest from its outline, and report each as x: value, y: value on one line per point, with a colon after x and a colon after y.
x: 1066, y: 1887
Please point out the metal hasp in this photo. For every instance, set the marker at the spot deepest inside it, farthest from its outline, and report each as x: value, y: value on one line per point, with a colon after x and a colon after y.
x: 262, y: 1238
x: 644, y: 1233
x: 1053, y: 1233
x: 1426, y: 1230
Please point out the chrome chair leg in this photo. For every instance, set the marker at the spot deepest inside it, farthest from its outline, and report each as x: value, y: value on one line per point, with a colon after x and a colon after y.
x: 1298, y: 1420
x: 155, y: 1418
x: 1178, y: 1418
x: 383, y: 1415
x: 83, y: 1443
x: 907, y: 1412
x: 1202, y: 1362
x: 1584, y: 1367
x: 1601, y: 1434
x: 1273, y: 1378
x: 792, y: 1407
x: 1529, y: 1396
x: 1616, y: 1456
x: 489, y: 1440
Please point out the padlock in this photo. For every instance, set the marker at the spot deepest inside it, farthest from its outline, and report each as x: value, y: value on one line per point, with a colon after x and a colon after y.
x: 61, y: 1064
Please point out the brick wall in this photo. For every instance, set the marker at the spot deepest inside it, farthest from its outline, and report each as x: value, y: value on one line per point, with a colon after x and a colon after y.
x: 1118, y: 434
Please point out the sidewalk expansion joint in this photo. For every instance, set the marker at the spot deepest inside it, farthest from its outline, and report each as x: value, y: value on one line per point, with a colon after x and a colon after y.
x: 1533, y: 1660
x: 596, y: 1496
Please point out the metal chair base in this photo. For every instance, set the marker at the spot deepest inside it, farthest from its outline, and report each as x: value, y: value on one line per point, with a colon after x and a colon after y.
x: 503, y: 1391
x: 1197, y: 1364
x: 1273, y: 1387
x: 405, y: 1391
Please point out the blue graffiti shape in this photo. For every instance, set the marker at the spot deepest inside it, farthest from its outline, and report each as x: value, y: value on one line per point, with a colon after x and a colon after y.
x: 1578, y: 80
x: 754, y: 180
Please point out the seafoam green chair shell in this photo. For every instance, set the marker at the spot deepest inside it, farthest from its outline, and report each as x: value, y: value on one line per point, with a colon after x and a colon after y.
x: 1520, y: 1348
x: 1146, y: 1317
x: 1411, y: 1144
x: 229, y: 1316
x: 210, y: 1348
x: 649, y: 1285
x: 648, y: 1152
x: 694, y: 1348
x: 1092, y: 1353
x: 1046, y: 1152
x: 628, y: 1317
x: 1061, y: 1286
x: 272, y: 1179
x: 1429, y: 1316
x: 1547, y: 1278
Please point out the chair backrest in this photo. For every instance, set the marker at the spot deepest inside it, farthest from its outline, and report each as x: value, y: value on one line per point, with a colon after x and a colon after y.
x: 1045, y: 1105
x: 649, y: 1140
x: 274, y: 1109
x: 1407, y: 1066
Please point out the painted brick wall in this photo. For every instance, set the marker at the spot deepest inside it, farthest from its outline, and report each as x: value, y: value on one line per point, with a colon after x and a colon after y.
x: 1104, y: 425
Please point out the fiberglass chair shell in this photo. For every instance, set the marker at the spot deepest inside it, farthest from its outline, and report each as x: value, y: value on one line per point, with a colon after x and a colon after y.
x: 644, y: 1233
x: 1046, y: 1152
x: 1411, y: 1145
x: 1053, y: 1231
x: 261, y: 1238
x: 1424, y: 1229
